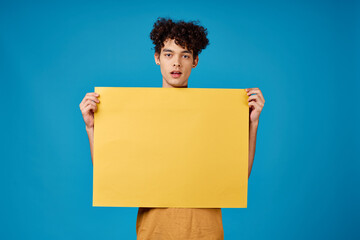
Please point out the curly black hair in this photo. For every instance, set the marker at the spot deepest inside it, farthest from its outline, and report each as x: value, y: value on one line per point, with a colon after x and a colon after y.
x: 186, y: 34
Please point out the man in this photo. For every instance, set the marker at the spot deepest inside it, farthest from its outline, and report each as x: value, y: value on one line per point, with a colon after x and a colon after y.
x: 177, y: 46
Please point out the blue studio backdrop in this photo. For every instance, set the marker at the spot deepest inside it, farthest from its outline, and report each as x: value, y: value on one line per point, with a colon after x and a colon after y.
x: 303, y: 55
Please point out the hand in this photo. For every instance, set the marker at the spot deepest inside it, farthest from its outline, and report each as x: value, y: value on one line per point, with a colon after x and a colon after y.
x: 256, y: 103
x: 88, y: 106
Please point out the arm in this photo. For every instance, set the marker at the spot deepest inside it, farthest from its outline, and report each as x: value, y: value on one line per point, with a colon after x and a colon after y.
x: 256, y: 104
x: 252, y: 143
x: 88, y: 106
x: 90, y: 133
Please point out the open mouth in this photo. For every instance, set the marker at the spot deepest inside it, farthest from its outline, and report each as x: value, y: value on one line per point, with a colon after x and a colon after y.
x: 175, y: 74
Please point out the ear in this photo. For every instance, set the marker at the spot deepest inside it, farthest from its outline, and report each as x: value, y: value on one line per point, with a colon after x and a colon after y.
x: 157, y: 58
x: 196, y: 60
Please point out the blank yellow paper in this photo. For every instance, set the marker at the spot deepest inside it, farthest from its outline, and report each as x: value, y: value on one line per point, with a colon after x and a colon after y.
x: 171, y: 147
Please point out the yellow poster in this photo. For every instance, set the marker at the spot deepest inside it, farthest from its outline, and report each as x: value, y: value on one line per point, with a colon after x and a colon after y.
x: 171, y: 147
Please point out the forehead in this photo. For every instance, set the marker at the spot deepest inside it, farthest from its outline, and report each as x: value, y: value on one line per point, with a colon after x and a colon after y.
x: 170, y: 44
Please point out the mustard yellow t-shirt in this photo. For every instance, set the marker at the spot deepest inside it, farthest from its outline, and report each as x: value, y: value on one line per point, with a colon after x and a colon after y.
x: 179, y: 223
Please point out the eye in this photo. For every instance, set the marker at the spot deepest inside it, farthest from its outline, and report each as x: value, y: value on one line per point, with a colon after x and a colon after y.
x: 186, y: 56
x: 168, y: 54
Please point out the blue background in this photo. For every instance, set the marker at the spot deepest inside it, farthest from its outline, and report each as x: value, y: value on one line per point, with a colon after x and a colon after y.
x: 303, y: 55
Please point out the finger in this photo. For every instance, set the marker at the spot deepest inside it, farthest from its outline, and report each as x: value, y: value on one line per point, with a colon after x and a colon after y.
x: 89, y: 98
x: 261, y: 96
x: 254, y: 97
x: 85, y: 104
x: 247, y: 89
x: 91, y: 94
x: 251, y: 105
x: 255, y: 91
x: 89, y: 108
x: 255, y: 106
x: 250, y: 89
x: 92, y: 98
x: 89, y: 103
x: 257, y: 99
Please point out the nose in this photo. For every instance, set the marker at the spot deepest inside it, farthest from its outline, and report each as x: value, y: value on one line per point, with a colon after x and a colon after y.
x: 176, y: 62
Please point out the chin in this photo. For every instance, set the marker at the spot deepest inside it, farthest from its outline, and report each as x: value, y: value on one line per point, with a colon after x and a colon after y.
x: 177, y: 83
x: 180, y: 85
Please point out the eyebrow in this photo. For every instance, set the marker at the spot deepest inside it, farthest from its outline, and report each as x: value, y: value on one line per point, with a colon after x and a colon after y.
x: 169, y: 50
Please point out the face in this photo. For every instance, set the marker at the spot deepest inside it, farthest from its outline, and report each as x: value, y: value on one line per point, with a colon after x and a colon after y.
x: 175, y: 63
